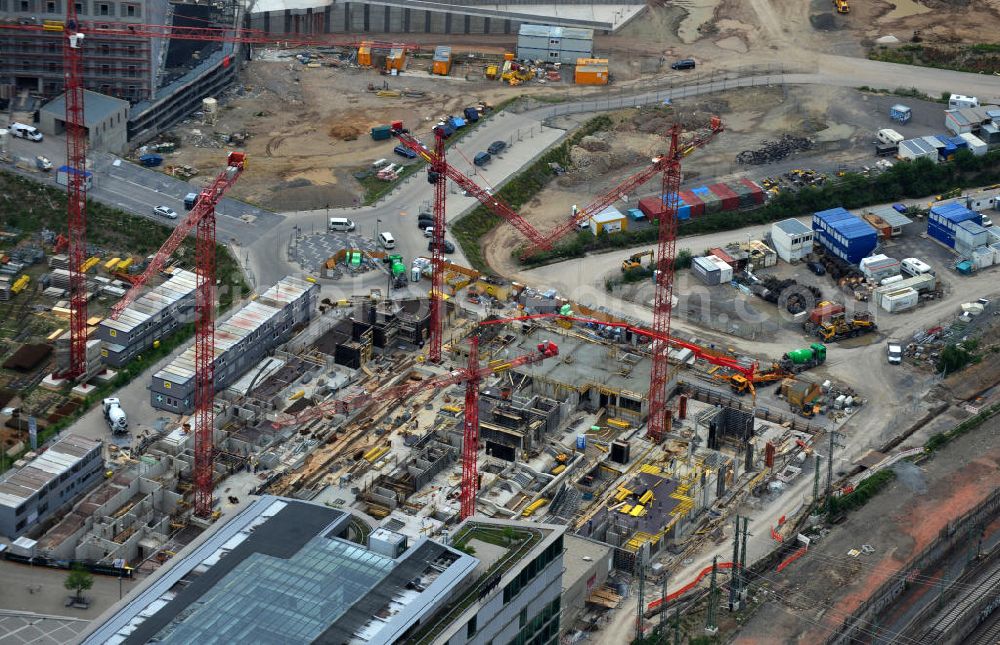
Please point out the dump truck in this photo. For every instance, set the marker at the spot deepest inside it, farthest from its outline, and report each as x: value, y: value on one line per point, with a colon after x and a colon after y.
x: 634, y: 261
x: 115, y: 416
x: 843, y: 327
x: 799, y: 360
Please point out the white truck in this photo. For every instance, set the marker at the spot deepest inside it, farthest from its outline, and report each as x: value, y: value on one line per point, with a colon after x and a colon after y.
x: 115, y: 416
x: 894, y: 352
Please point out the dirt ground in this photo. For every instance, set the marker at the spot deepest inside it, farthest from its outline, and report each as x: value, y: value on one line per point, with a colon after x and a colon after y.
x: 840, y: 121
x: 814, y: 595
x: 308, y: 129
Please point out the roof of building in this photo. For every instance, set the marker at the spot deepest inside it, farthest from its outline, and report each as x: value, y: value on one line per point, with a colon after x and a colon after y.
x: 970, y: 116
x: 547, y: 31
x: 891, y: 216
x: 180, y: 285
x: 846, y: 223
x: 60, y: 458
x: 609, y: 214
x: 96, y: 107
x: 792, y: 227
x: 282, y: 572
x: 918, y: 146
x: 243, y: 323
x: 442, y: 53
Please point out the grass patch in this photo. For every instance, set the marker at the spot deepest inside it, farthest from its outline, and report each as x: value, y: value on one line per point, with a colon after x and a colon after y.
x: 942, y: 439
x: 983, y: 58
x: 863, y: 493
x: 470, y: 230
x: 376, y: 189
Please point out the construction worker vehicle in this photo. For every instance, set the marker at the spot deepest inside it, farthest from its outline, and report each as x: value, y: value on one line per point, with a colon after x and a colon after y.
x: 799, y: 360
x: 635, y: 260
x: 741, y: 385
x: 842, y: 327
x: 842, y: 6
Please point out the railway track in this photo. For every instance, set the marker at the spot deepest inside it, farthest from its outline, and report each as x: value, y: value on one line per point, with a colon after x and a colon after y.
x: 955, y: 612
x: 988, y: 633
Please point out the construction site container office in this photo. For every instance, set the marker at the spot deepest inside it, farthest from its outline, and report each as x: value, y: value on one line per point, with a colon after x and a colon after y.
x: 610, y: 220
x: 442, y: 60
x: 913, y: 149
x: 240, y: 342
x: 792, y: 240
x: 591, y: 71
x: 31, y: 494
x: 554, y: 44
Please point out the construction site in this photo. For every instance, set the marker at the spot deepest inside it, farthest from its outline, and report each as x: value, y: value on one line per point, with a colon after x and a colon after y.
x: 624, y: 319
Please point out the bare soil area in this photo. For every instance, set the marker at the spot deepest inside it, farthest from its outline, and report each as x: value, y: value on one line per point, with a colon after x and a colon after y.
x: 308, y: 129
x: 840, y: 121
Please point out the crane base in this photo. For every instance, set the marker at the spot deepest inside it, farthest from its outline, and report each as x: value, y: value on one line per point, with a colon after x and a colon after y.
x: 105, y: 376
x: 53, y: 382
x: 83, y: 390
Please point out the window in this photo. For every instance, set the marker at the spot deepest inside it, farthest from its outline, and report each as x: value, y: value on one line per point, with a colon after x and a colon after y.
x: 470, y: 628
x: 106, y: 70
x: 20, y: 525
x: 105, y: 50
x: 131, y: 70
x: 103, y: 9
x: 25, y: 5
x: 131, y: 50
x: 79, y: 7
x: 131, y: 10
x: 522, y: 618
x: 50, y: 7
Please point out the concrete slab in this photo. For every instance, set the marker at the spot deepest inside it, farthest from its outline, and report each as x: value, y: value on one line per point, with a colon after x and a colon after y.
x: 83, y: 390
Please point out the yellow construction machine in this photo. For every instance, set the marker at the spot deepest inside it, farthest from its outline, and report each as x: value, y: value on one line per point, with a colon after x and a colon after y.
x: 634, y: 261
x: 842, y: 6
x: 741, y: 385
x: 842, y: 327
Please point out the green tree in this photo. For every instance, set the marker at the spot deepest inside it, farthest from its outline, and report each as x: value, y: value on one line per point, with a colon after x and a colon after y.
x: 79, y: 580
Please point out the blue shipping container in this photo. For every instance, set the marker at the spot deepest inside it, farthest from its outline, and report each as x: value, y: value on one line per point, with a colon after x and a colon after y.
x: 941, y: 234
x: 845, y: 235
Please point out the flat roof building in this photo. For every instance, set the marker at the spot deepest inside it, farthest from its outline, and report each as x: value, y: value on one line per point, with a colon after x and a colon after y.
x: 51, y: 480
x: 283, y: 571
x: 153, y: 316
x: 106, y: 120
x: 240, y: 342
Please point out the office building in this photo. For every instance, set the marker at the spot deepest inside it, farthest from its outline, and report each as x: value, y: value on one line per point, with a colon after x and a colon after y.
x: 240, y: 342
x: 153, y: 316
x: 47, y: 482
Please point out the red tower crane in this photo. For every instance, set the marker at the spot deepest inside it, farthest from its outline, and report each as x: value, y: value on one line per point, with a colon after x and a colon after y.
x: 201, y: 217
x: 438, y: 174
x: 471, y: 375
x: 470, y: 433
x: 76, y: 193
x: 664, y: 291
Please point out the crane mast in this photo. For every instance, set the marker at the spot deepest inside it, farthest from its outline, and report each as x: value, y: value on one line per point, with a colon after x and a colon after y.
x: 76, y: 192
x: 470, y: 434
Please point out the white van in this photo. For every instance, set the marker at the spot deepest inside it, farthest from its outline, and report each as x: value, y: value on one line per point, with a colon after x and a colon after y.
x: 889, y: 137
x: 915, y: 267
x: 958, y: 101
x: 341, y: 224
x: 386, y: 239
x: 25, y: 131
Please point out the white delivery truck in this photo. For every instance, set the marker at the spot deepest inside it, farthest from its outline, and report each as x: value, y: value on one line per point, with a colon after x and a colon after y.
x: 889, y: 137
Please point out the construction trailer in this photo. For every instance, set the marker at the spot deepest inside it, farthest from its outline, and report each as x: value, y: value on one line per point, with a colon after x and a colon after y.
x: 241, y: 341
x: 591, y: 71
x: 554, y: 44
x: 442, y: 60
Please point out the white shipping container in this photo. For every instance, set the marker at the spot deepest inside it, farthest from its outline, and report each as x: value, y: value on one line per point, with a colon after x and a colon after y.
x: 996, y: 252
x: 976, y: 145
x: 899, y: 300
x: 982, y: 257
x: 725, y: 270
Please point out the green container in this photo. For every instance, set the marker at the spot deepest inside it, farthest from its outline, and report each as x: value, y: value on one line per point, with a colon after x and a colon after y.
x: 398, y: 268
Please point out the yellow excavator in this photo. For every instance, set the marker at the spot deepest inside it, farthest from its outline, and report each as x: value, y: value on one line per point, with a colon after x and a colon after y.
x: 842, y: 6
x: 635, y: 260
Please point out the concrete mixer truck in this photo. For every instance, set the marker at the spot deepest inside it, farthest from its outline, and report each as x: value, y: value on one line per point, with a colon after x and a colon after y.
x: 115, y: 416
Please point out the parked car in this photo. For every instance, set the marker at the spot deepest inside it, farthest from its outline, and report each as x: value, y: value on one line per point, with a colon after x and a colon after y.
x: 43, y: 164
x: 448, y: 246
x: 482, y: 158
x: 684, y: 63
x: 423, y: 223
x: 165, y: 211
x: 403, y: 151
x: 429, y: 231
x: 151, y: 160
x: 816, y: 268
x: 497, y: 147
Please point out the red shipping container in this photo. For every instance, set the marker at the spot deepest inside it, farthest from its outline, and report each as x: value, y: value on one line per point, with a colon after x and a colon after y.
x: 651, y: 206
x: 730, y: 200
x: 758, y: 192
x: 692, y: 200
